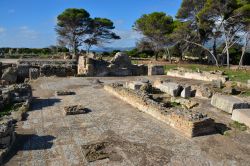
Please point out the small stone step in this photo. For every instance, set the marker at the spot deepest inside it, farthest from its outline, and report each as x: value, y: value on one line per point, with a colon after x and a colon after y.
x: 242, y: 116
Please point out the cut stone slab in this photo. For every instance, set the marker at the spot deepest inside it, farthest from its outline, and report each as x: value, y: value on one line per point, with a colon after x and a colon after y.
x: 76, y: 109
x: 186, y: 92
x: 228, y: 103
x: 155, y: 70
x: 170, y: 88
x: 242, y: 116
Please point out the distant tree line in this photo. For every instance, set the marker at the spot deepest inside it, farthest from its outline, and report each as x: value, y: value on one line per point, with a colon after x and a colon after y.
x: 47, y: 50
x: 218, y: 29
x: 9, y: 52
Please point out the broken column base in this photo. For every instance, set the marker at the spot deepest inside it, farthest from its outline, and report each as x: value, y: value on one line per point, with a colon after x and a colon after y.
x: 187, y: 122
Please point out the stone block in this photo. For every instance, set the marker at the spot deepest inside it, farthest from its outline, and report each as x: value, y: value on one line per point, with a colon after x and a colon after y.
x: 203, y: 91
x: 34, y: 73
x: 217, y: 83
x: 170, y: 88
x: 228, y: 103
x: 135, y: 85
x: 242, y: 116
x: 186, y: 92
x: 155, y: 70
x: 64, y: 93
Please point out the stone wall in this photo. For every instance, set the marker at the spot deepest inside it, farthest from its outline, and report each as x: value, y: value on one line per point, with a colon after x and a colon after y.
x: 18, y: 94
x: 41, y: 62
x: 1, y: 69
x: 187, y: 122
x: 7, y: 137
x: 120, y: 65
x: 204, y: 76
x: 61, y: 68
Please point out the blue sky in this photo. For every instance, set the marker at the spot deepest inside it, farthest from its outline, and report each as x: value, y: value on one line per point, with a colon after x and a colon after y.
x: 30, y: 23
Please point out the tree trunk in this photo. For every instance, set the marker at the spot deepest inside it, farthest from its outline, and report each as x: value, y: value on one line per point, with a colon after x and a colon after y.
x: 228, y: 57
x: 216, y: 61
x: 214, y: 48
x: 244, y: 50
x: 156, y: 56
x: 169, y: 56
x: 227, y: 45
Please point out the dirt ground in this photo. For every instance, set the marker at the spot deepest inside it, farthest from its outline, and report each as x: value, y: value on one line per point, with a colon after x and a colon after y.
x: 114, y: 132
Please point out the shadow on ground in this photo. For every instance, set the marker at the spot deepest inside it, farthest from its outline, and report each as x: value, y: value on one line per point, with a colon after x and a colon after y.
x: 39, y: 103
x: 29, y: 142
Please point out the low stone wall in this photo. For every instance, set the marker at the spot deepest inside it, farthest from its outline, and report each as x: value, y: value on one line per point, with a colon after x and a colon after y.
x: 1, y: 69
x: 41, y: 62
x: 7, y: 137
x: 203, y: 76
x: 187, y: 122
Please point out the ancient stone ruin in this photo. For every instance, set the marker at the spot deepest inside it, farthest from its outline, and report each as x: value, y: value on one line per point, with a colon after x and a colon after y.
x: 120, y: 65
x: 199, y: 75
x: 7, y: 136
x: 188, y: 122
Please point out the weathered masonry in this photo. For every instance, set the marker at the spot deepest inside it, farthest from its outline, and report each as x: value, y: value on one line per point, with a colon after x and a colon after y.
x: 188, y: 122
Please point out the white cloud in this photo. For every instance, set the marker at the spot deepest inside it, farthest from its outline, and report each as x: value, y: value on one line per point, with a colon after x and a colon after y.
x: 2, y: 31
x: 119, y: 22
x: 27, y: 32
x: 128, y: 38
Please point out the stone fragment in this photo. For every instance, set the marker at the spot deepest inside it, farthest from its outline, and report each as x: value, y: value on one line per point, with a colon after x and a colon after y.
x: 76, y: 109
x: 170, y: 88
x: 135, y: 85
x: 155, y: 70
x: 10, y: 75
x: 34, y: 73
x: 97, y: 81
x: 242, y: 116
x: 228, y: 103
x: 64, y: 93
x: 230, y: 91
x: 203, y: 91
x: 217, y: 84
x: 186, y: 92
x: 188, y: 104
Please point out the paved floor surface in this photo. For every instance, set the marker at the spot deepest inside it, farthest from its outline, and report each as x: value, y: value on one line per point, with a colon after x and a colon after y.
x: 48, y: 137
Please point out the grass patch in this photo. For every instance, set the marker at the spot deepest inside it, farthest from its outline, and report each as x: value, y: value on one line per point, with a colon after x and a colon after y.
x: 7, y: 110
x: 11, y: 108
x: 238, y: 126
x: 246, y: 94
